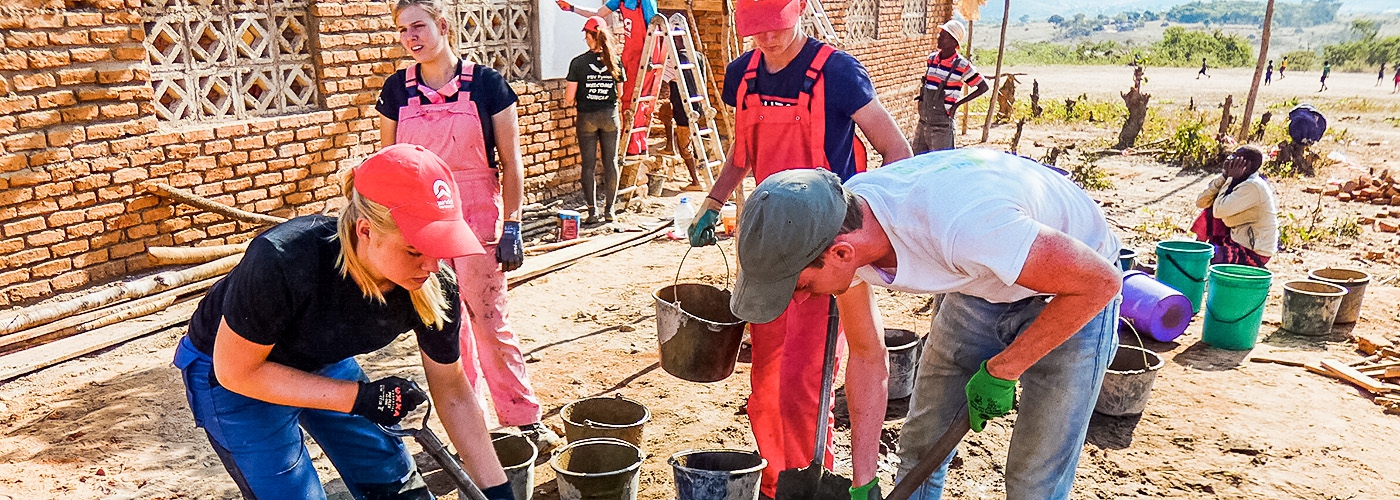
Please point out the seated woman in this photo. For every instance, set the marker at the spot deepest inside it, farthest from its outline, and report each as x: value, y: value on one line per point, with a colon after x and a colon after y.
x: 269, y: 353
x: 1240, y: 216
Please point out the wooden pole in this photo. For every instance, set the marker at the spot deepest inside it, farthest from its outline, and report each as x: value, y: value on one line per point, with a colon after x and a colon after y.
x: 1243, y: 136
x: 99, y: 318
x: 169, y: 256
x: 1001, y: 52
x: 197, y: 201
x: 969, y: 56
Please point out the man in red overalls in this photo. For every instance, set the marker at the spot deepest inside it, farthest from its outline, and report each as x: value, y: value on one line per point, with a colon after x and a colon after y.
x: 797, y: 103
x: 635, y: 15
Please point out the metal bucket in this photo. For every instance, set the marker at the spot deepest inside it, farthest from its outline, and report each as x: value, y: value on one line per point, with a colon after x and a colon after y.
x: 904, y: 348
x: 597, y: 469
x: 1127, y: 384
x: 717, y: 474
x: 517, y: 455
x: 613, y: 417
x: 698, y: 334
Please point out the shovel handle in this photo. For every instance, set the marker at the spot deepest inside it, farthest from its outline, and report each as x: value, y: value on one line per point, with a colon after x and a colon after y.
x: 932, y: 458
x: 833, y: 323
x: 431, y: 444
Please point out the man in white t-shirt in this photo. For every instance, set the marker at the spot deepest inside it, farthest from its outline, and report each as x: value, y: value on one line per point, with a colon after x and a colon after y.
x: 999, y: 235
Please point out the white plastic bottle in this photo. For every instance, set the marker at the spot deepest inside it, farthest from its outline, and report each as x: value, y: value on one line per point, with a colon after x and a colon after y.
x: 684, y: 213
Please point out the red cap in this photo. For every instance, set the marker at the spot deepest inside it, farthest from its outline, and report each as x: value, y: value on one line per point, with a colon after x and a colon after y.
x: 752, y: 17
x: 593, y: 23
x: 416, y: 186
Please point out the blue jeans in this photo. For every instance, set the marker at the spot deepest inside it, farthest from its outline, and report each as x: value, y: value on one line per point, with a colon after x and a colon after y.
x: 260, y: 443
x: 1057, y: 393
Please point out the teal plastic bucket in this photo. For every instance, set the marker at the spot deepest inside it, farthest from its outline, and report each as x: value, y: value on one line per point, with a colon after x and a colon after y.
x: 1235, y: 306
x: 1183, y: 265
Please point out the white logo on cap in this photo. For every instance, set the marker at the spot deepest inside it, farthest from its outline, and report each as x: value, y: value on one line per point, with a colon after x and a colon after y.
x: 443, y: 193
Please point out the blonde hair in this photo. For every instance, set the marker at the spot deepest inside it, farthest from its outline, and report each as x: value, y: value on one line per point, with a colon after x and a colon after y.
x: 434, y: 8
x: 429, y: 301
x: 604, y: 38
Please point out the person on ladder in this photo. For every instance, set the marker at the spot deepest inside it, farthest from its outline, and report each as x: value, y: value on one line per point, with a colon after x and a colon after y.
x: 635, y: 16
x: 949, y: 73
x: 466, y: 113
x: 797, y: 102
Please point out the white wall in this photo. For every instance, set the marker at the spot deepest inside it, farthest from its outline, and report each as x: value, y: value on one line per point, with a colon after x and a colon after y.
x: 561, y: 38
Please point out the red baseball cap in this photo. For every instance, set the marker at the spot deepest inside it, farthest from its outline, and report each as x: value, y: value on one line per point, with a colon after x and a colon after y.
x: 752, y: 17
x: 593, y: 23
x: 416, y: 186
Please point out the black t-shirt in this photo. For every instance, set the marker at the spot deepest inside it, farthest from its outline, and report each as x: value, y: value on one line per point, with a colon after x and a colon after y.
x: 597, y: 88
x: 489, y: 91
x: 288, y: 293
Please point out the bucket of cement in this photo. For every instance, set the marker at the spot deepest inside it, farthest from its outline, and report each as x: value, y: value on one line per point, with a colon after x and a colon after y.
x: 717, y: 474
x: 904, y: 347
x: 613, y: 417
x: 597, y: 469
x: 517, y: 455
x: 1127, y: 384
x: 1354, y: 280
x: 698, y: 333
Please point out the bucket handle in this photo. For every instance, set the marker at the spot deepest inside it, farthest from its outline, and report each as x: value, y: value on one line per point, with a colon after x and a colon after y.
x: 1183, y: 272
x: 722, y: 254
x: 1246, y: 315
x: 1141, y: 344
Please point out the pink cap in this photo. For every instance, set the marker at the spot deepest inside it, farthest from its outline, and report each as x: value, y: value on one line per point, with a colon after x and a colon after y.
x: 593, y: 23
x: 752, y: 17
x: 417, y: 188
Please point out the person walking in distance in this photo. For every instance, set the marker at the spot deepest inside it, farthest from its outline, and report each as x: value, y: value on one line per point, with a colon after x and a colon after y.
x: 466, y: 114
x: 593, y: 79
x: 1380, y: 77
x: 1397, y: 79
x: 1269, y: 73
x: 1202, y: 72
x: 941, y: 92
x: 797, y: 104
x: 1326, y: 71
x: 1282, y: 67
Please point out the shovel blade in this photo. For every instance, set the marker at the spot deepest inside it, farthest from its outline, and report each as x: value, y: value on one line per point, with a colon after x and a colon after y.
x: 812, y: 482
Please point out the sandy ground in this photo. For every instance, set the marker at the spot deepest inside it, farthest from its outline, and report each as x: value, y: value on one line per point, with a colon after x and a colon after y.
x: 115, y: 424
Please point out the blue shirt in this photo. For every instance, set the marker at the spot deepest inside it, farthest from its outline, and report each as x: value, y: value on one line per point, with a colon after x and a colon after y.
x: 649, y: 9
x: 848, y: 88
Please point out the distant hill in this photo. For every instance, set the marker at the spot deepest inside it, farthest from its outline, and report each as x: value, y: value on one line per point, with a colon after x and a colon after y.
x: 1039, y: 10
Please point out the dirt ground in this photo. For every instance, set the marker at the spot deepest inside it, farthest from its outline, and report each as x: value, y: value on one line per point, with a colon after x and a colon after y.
x: 115, y: 424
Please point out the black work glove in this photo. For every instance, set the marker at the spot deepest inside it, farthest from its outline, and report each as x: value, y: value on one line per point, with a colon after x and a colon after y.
x: 387, y: 400
x: 509, y: 251
x: 499, y: 492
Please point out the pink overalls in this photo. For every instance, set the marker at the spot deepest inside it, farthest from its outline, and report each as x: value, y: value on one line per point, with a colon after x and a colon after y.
x: 490, y: 352
x: 787, y: 353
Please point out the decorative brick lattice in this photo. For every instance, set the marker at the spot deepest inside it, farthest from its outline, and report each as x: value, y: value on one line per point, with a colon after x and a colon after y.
x: 860, y: 19
x: 915, y: 17
x: 498, y: 33
x: 228, y: 59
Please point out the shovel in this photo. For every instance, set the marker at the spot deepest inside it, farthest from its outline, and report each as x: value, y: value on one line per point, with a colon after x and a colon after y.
x: 814, y: 481
x: 431, y: 444
x: 932, y: 458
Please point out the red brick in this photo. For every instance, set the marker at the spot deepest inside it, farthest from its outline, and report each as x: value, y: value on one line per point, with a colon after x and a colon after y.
x: 8, y: 278
x: 110, y: 35
x: 39, y: 119
x: 89, y: 259
x: 28, y: 291
x: 15, y: 196
x: 100, y: 131
x: 56, y: 99
x: 29, y: 177
x: 104, y: 211
x: 122, y: 110
x: 41, y: 19
x: 24, y: 142
x: 89, y: 19
x: 123, y: 221
x: 111, y: 193
x: 51, y: 268
x: 49, y: 156
x: 68, y: 37
x: 13, y: 61
x: 132, y: 53
x: 66, y: 218
x: 45, y: 238
x: 77, y: 200
x: 69, y: 247
x: 140, y: 232
x: 85, y: 229
x: 115, y: 76
x: 17, y: 104
x: 105, y: 239
x: 25, y: 39
x: 128, y: 175
x: 69, y: 281
x: 189, y: 235
x: 53, y: 189
x: 83, y: 55
x: 29, y: 81
x: 11, y: 245
x: 25, y: 226
x: 79, y: 114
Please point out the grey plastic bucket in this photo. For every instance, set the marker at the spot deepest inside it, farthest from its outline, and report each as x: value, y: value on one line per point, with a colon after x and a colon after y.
x: 699, y: 335
x: 1127, y: 259
x: 1310, y: 307
x: 517, y: 455
x: 1354, y: 280
x: 717, y: 474
x: 1127, y: 385
x: 597, y: 469
x: 904, y: 348
x: 613, y: 417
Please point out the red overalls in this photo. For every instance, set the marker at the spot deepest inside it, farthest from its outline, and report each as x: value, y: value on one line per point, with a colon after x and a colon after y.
x: 634, y: 39
x: 775, y: 134
x: 490, y: 353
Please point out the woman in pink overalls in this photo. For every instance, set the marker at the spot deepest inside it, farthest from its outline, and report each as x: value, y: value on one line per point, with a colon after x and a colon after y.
x: 466, y: 113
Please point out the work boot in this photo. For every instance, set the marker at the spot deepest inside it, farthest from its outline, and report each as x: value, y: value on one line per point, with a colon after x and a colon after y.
x: 544, y: 438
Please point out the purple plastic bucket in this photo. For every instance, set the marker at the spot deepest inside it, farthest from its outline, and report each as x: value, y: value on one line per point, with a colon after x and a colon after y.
x: 1154, y: 308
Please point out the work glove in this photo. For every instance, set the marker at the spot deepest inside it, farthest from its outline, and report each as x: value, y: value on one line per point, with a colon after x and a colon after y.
x: 988, y: 397
x: 509, y: 251
x: 387, y: 400
x: 871, y: 491
x: 702, y: 229
x: 563, y: 5
x: 499, y: 492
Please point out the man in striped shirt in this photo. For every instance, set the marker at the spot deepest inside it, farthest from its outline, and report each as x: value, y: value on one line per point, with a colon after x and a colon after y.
x: 942, y: 90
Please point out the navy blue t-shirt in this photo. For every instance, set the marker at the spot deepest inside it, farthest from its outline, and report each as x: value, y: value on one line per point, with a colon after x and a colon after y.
x: 489, y: 91
x: 848, y: 88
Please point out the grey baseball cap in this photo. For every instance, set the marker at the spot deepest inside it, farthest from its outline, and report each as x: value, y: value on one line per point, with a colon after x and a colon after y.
x: 791, y: 218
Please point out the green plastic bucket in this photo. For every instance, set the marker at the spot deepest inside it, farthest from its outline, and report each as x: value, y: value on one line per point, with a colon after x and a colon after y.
x: 1182, y: 265
x: 1235, y: 306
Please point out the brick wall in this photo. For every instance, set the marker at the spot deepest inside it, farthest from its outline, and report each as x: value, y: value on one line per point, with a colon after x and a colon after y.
x: 79, y: 141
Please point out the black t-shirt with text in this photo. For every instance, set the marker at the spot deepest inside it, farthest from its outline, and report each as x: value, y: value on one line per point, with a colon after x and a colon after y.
x: 288, y: 293
x: 489, y: 91
x: 597, y: 89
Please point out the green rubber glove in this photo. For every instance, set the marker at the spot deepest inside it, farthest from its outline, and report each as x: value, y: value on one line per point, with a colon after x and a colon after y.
x: 702, y: 229
x: 988, y: 397
x: 871, y: 491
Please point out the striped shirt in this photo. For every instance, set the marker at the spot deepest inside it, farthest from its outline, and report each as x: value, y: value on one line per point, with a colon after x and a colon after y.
x: 956, y: 70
